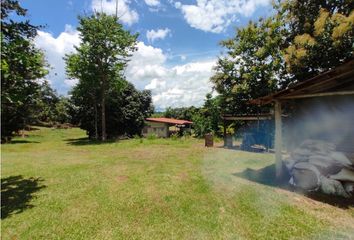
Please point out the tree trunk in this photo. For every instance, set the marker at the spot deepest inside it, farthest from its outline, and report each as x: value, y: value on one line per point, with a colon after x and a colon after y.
x: 96, y: 119
x: 103, y: 108
x: 23, y: 129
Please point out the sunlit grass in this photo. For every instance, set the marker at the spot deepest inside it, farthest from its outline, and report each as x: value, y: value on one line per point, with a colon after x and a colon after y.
x: 154, y: 189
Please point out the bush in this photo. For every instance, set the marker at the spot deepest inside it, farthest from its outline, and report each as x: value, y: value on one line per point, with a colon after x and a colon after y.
x: 202, y: 125
x: 151, y: 136
x: 174, y: 136
x: 138, y: 137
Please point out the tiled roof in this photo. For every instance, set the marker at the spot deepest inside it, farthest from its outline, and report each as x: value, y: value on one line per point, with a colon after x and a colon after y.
x: 169, y: 120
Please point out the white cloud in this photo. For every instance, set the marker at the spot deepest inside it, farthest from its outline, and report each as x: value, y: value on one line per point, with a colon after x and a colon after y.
x: 216, y: 15
x: 55, y: 49
x: 152, y: 3
x: 126, y: 14
x: 155, y: 83
x: 177, y: 86
x: 155, y: 6
x: 153, y: 35
x: 71, y: 82
x: 178, y: 5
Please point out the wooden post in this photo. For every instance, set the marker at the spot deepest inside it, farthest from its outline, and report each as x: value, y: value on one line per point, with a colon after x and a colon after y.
x: 224, y: 133
x: 278, y: 140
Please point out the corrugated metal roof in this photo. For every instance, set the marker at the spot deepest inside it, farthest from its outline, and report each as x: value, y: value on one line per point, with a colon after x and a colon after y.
x: 169, y: 120
x: 248, y: 117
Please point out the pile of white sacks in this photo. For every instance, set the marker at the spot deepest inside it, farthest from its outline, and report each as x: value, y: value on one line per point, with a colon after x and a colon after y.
x: 316, y: 166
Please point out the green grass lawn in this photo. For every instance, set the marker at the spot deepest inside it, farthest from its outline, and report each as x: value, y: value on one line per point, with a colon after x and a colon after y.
x: 58, y: 185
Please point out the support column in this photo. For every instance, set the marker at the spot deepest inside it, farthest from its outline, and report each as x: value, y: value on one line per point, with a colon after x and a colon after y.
x: 278, y: 140
x: 224, y: 123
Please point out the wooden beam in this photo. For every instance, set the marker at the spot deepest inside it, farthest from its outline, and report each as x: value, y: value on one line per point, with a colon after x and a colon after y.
x: 278, y: 140
x: 326, y: 94
x: 247, y: 118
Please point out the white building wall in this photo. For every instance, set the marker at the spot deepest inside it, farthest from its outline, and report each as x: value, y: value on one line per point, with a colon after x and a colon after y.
x: 159, y: 129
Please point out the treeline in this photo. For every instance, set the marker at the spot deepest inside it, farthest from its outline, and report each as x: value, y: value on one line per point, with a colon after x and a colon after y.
x: 103, y: 103
x: 206, y: 118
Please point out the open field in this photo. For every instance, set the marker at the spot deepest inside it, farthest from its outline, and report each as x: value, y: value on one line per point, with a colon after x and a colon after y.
x: 57, y: 185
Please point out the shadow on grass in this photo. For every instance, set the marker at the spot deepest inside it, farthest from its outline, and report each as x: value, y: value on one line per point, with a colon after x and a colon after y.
x: 230, y: 148
x: 86, y: 141
x: 21, y: 141
x: 16, y: 194
x: 238, y: 148
x: 266, y: 176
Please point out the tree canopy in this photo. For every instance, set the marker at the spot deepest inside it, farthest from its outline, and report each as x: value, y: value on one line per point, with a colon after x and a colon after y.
x: 302, y: 39
x: 22, y: 64
x: 320, y: 35
x: 99, y: 62
x: 126, y: 110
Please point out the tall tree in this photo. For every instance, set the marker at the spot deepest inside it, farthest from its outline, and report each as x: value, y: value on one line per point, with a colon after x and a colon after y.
x: 252, y: 67
x: 104, y: 49
x: 87, y: 91
x: 21, y: 65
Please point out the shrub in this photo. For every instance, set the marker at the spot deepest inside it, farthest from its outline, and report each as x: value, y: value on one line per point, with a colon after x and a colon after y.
x: 174, y: 136
x: 151, y: 136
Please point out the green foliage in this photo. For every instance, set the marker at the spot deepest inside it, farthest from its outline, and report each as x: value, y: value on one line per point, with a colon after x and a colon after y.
x: 186, y: 134
x: 208, y: 118
x: 205, y: 119
x: 230, y: 129
x: 201, y: 125
x: 302, y: 39
x: 21, y: 65
x: 252, y: 67
x: 185, y: 113
x: 320, y: 35
x: 126, y: 110
x: 174, y: 136
x: 212, y: 110
x: 151, y: 136
x: 158, y: 114
x: 62, y: 110
x: 46, y: 101
x: 99, y: 64
x: 49, y: 108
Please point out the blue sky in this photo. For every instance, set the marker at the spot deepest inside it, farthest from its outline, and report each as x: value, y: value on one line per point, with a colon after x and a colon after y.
x: 178, y: 41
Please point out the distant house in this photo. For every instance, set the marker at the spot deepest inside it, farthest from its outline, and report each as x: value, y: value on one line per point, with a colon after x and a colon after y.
x: 161, y: 127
